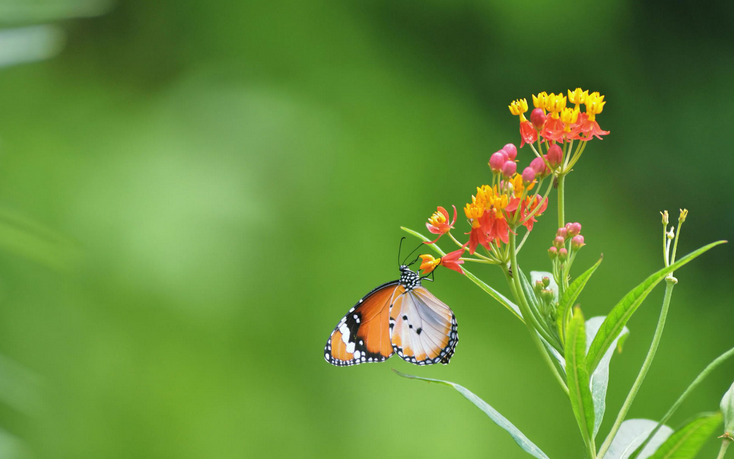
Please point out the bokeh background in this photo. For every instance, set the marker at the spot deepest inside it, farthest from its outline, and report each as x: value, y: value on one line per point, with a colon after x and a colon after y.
x: 194, y: 193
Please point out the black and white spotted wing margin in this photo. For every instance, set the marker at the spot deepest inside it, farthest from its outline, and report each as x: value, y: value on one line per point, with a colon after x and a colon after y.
x: 423, y: 330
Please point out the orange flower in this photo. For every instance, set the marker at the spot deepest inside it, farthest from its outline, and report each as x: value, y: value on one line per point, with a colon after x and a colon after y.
x: 439, y: 223
x: 451, y: 260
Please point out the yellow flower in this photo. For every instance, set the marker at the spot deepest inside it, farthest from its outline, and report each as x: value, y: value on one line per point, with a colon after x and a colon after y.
x: 541, y: 100
x: 556, y: 103
x: 569, y: 116
x: 594, y: 105
x: 518, y: 107
x: 577, y: 97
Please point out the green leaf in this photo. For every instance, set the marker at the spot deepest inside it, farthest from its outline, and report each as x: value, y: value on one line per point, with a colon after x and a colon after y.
x: 687, y: 442
x: 570, y: 295
x: 600, y: 377
x: 630, y: 436
x: 504, y: 301
x: 577, y: 376
x: 621, y: 313
x: 497, y: 418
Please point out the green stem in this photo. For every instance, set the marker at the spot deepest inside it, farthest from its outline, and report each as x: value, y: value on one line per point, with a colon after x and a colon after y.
x: 669, y: 284
x: 701, y: 376
x: 527, y: 313
x: 724, y: 445
x: 561, y: 179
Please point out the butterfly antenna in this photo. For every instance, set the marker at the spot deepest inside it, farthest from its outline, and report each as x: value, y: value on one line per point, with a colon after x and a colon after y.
x: 400, y: 247
x: 411, y: 253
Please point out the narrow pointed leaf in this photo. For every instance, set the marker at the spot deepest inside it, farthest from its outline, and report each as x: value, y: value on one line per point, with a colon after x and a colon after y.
x: 571, y: 294
x: 497, y: 418
x: 600, y: 377
x: 577, y: 376
x: 503, y: 300
x: 621, y: 313
x: 687, y: 442
x: 630, y: 436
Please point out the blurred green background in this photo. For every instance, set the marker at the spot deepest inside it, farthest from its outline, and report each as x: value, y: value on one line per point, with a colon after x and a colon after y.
x: 194, y: 193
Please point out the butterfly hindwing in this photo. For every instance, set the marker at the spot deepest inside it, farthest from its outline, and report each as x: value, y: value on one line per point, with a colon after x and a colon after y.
x: 423, y: 328
x: 363, y: 336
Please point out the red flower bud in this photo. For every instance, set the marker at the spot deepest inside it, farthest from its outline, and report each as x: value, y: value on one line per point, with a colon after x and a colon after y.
x: 538, y: 165
x: 577, y: 242
x: 559, y: 241
x: 563, y: 254
x: 555, y: 156
x: 509, y: 168
x: 511, y: 151
x: 496, y: 161
x: 573, y: 229
x: 528, y: 175
x: 553, y: 253
x: 537, y: 117
x: 562, y: 232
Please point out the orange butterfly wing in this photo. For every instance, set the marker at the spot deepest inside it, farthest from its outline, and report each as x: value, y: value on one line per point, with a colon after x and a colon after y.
x: 363, y: 335
x: 423, y: 328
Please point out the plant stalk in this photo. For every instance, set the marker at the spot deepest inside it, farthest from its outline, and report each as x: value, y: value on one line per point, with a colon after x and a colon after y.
x: 669, y: 284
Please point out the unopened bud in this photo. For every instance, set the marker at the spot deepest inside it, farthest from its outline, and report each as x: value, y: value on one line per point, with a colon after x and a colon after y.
x: 577, y: 242
x: 555, y: 156
x: 496, y: 161
x: 546, y: 281
x: 528, y: 175
x: 562, y: 232
x: 511, y: 151
x: 546, y: 294
x: 540, y: 168
x: 537, y: 117
x: 666, y: 219
x: 563, y: 254
x: 553, y: 253
x: 573, y: 229
x: 509, y: 168
x: 727, y: 409
x: 537, y: 287
x: 559, y: 241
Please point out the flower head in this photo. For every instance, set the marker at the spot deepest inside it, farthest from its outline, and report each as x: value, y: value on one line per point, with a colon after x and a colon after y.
x: 439, y: 224
x: 429, y: 263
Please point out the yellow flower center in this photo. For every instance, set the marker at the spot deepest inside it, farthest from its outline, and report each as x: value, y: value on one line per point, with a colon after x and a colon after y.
x: 577, y: 97
x: 594, y: 105
x: 569, y: 116
x: 518, y: 107
x: 437, y: 219
x: 541, y: 100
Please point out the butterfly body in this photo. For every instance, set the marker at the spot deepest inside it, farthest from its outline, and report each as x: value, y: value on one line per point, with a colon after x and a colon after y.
x: 400, y: 317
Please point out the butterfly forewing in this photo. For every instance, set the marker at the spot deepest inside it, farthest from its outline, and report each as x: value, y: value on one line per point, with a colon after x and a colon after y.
x: 423, y: 328
x: 363, y: 335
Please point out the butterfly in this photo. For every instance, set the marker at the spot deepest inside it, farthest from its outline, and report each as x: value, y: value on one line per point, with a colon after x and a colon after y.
x: 399, y: 317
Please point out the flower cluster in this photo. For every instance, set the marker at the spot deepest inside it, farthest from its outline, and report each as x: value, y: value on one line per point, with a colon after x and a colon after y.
x: 553, y: 121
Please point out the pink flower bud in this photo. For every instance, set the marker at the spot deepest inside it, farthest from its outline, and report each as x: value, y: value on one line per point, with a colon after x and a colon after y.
x: 509, y: 168
x: 538, y: 165
x: 546, y: 281
x: 573, y: 229
x: 496, y: 161
x: 553, y: 253
x: 559, y: 241
x: 563, y: 254
x: 537, y: 117
x: 577, y: 242
x: 511, y: 151
x: 562, y: 232
x: 555, y: 156
x: 528, y: 175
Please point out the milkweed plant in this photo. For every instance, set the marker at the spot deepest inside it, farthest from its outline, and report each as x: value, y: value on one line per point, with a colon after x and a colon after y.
x: 576, y: 350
